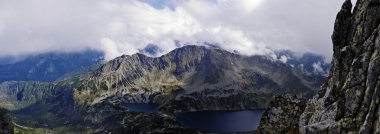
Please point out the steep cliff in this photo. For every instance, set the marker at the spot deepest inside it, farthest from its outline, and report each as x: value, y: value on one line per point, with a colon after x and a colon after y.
x: 348, y: 101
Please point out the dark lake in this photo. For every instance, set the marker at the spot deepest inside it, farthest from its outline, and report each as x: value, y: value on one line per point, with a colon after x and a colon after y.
x: 221, y: 121
x: 142, y: 107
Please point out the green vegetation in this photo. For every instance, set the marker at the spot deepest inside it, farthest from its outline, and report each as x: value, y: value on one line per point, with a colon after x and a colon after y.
x: 25, y: 130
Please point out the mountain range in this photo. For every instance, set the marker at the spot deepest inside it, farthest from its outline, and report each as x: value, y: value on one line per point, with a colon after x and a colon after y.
x: 47, y: 67
x: 189, y: 78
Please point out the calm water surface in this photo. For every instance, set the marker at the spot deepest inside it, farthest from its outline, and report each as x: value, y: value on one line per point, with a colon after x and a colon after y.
x: 221, y: 121
x: 142, y: 107
x: 210, y: 121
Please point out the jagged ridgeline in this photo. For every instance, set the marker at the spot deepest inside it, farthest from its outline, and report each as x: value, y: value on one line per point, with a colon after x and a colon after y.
x: 186, y: 79
x: 348, y: 102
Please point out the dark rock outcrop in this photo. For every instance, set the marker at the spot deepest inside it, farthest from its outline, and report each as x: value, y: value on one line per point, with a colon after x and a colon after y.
x: 282, y: 116
x: 147, y: 123
x: 6, y: 125
x: 349, y: 100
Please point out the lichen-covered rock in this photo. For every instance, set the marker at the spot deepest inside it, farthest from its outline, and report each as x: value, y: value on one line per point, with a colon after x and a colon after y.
x: 348, y: 102
x: 282, y: 115
x: 6, y: 126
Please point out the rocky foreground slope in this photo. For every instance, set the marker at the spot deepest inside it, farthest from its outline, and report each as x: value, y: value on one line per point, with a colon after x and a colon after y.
x: 348, y: 102
x: 6, y: 126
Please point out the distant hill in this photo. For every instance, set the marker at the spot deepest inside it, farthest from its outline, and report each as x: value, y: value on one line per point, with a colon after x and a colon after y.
x: 47, y: 67
x: 307, y: 63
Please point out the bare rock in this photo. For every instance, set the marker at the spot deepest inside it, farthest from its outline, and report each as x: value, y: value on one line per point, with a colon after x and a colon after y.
x: 282, y: 115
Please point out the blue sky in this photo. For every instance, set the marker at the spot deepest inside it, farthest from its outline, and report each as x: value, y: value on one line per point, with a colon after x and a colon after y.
x: 159, y: 4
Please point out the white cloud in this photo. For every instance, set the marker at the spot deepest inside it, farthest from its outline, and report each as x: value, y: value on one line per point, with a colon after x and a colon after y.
x: 318, y: 68
x: 283, y: 59
x: 124, y: 26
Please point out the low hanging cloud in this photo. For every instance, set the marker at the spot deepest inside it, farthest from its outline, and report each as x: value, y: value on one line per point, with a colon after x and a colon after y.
x: 119, y: 27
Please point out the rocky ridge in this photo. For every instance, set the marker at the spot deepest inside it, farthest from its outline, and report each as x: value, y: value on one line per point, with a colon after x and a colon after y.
x: 348, y: 101
x: 190, y: 73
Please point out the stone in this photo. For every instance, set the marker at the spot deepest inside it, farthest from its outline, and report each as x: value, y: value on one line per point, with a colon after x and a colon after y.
x: 282, y: 115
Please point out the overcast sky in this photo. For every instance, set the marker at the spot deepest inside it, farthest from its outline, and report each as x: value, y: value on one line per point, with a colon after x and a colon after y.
x: 124, y: 26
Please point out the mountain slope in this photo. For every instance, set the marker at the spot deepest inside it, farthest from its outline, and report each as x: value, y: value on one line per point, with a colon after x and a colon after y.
x: 192, y: 72
x: 6, y: 126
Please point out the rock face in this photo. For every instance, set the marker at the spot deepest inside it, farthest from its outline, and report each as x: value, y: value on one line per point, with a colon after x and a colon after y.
x: 348, y: 101
x: 282, y: 116
x: 6, y: 126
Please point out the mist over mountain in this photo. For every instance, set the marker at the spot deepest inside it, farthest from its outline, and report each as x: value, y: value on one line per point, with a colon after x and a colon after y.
x: 54, y: 66
x: 308, y: 63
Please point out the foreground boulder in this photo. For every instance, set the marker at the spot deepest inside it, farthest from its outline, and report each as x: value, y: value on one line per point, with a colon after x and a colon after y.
x: 282, y: 116
x: 146, y: 123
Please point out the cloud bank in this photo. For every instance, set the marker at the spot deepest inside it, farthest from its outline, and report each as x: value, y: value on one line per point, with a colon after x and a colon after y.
x: 126, y: 26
